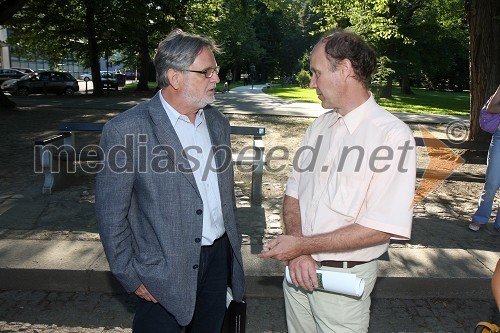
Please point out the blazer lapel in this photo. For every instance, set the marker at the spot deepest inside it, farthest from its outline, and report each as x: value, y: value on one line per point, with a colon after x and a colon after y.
x: 221, y: 149
x: 214, y: 127
x: 166, y: 136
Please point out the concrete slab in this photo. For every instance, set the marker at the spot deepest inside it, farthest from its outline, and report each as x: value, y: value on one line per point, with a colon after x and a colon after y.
x: 75, y: 265
x: 255, y: 266
x: 48, y: 254
x: 434, y: 263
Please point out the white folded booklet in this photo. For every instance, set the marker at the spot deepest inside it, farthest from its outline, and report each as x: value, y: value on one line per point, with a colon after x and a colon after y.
x: 337, y: 282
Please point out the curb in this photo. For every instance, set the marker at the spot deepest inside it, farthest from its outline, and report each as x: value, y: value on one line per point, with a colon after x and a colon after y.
x: 70, y: 266
x: 257, y: 286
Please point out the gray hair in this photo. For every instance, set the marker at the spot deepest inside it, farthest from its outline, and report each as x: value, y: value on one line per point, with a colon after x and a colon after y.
x: 178, y: 51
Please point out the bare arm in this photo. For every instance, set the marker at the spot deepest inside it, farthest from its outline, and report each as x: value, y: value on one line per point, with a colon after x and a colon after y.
x: 291, y: 216
x: 303, y: 267
x: 494, y: 106
x: 350, y: 238
x: 297, y: 249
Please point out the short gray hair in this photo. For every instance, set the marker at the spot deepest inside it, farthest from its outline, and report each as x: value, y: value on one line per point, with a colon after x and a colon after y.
x: 178, y: 51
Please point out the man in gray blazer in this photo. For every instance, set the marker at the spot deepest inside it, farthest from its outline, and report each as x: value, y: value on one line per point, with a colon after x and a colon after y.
x: 165, y: 199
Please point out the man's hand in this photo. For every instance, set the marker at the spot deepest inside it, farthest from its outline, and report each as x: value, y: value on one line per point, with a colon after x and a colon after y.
x: 303, y: 272
x: 283, y: 248
x: 143, y: 293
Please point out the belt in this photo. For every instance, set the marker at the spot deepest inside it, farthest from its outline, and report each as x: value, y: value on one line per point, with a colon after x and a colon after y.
x: 341, y: 264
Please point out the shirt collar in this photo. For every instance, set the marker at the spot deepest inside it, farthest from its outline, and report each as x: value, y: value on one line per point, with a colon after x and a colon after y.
x: 357, y: 115
x: 175, y: 116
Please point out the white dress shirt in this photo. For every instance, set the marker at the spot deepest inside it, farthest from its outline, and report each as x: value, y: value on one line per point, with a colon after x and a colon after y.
x: 195, y: 140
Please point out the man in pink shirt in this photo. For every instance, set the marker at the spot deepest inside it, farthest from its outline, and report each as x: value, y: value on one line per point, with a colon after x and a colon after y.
x: 350, y: 191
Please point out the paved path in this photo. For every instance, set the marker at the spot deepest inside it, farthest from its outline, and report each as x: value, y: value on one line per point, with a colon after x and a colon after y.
x: 50, y: 243
x: 84, y: 312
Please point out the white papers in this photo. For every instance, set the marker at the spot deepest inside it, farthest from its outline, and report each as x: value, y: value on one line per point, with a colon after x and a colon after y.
x: 337, y: 282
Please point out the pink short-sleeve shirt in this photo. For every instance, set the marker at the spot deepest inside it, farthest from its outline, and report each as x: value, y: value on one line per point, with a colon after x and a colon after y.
x: 359, y: 168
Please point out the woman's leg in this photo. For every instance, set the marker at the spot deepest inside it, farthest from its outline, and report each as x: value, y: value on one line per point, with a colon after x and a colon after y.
x: 491, y: 184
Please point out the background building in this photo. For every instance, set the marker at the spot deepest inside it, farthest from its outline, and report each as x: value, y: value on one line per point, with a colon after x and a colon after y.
x: 9, y: 59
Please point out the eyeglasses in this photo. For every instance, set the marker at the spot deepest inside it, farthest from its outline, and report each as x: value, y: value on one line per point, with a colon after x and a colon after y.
x: 207, y: 72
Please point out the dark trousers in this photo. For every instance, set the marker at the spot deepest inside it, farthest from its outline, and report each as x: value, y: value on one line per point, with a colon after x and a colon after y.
x: 210, y: 306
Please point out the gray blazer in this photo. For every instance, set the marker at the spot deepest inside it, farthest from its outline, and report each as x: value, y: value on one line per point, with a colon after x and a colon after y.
x: 149, y: 211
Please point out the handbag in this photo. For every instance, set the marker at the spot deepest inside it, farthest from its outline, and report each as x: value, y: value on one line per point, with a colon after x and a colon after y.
x: 485, y: 327
x: 236, y: 315
x: 488, y: 122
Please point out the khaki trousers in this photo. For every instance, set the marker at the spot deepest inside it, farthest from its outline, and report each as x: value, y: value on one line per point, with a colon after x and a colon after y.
x: 321, y: 311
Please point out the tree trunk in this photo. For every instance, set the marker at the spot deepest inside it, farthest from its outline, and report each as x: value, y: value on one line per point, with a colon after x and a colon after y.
x: 386, y: 91
x: 92, y: 47
x: 484, y: 58
x: 405, y: 85
x: 144, y: 59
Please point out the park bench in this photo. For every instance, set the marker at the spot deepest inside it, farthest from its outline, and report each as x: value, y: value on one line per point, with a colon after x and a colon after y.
x: 54, y: 154
x: 474, y: 147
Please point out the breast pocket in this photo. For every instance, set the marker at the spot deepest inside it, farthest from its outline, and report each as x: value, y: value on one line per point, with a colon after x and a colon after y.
x: 347, y: 193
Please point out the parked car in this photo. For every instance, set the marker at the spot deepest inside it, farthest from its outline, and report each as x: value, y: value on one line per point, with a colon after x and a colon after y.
x: 131, y: 75
x: 112, y: 80
x: 24, y: 69
x: 86, y: 77
x: 42, y: 82
x: 9, y: 73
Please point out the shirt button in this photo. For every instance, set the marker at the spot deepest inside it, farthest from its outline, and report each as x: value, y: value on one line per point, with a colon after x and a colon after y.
x: 199, y: 212
x: 195, y: 266
x: 197, y: 240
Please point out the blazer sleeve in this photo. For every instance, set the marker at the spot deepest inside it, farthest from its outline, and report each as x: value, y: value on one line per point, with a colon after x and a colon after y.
x: 114, y: 184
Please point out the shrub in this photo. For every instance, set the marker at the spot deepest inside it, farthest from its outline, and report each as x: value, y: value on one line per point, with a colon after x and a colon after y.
x: 303, y: 78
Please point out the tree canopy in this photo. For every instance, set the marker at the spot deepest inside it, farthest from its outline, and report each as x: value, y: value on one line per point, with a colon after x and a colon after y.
x: 422, y: 43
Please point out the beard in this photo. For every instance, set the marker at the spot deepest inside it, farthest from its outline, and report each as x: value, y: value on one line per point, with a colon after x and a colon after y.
x: 197, y: 100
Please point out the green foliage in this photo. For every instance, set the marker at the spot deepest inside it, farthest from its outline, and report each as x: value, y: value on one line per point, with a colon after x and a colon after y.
x: 49, y: 29
x: 303, y: 78
x: 275, y: 35
x: 380, y: 77
x: 424, y: 41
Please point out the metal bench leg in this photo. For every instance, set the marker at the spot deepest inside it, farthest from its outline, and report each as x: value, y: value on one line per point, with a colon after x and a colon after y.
x: 48, y: 182
x: 257, y: 171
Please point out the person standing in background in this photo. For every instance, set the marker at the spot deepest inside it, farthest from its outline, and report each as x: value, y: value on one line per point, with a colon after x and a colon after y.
x: 229, y: 79
x: 492, y: 178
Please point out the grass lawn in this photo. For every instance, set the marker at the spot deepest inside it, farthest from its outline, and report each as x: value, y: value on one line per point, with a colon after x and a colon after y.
x: 423, y: 101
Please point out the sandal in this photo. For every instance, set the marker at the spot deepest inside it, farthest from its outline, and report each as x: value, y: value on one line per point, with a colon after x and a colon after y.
x: 473, y: 226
